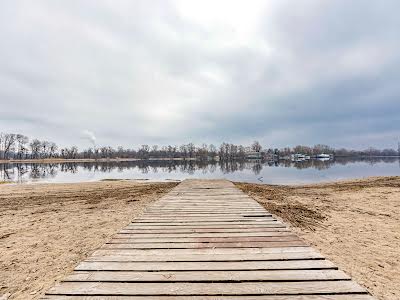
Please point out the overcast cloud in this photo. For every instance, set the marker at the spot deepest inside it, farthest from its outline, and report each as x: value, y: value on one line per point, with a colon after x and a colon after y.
x: 170, y: 72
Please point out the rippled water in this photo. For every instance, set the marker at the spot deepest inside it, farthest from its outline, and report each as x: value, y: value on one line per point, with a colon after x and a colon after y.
x: 282, y: 172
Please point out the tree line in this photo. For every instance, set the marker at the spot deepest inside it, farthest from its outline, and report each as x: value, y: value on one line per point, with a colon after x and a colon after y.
x: 19, y: 146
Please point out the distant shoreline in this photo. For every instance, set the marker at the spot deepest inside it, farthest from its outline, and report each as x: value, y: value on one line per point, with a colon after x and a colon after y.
x: 83, y: 160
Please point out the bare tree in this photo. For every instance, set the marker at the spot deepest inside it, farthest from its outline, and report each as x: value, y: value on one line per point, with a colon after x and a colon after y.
x: 44, y: 151
x: 212, y: 150
x: 8, y: 143
x: 73, y: 152
x: 183, y: 150
x: 52, y: 149
x: 22, y: 142
x: 35, y: 146
x: 256, y: 146
x: 144, y: 151
x: 191, y: 149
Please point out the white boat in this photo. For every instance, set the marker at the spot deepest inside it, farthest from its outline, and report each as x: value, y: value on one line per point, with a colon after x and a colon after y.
x: 323, y: 155
x: 298, y: 157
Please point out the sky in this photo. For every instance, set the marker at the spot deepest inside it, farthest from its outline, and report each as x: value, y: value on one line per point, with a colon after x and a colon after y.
x: 171, y: 72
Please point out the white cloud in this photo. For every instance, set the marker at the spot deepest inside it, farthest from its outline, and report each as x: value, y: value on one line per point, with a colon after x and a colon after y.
x: 174, y: 71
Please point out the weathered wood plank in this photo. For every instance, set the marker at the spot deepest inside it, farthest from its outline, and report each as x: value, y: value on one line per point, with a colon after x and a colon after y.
x: 113, y: 255
x: 261, y: 297
x: 206, y: 216
x: 235, y: 239
x: 175, y: 220
x: 178, y: 288
x: 204, y: 251
x: 204, y: 207
x: 127, y: 234
x: 210, y: 276
x: 209, y: 224
x: 242, y: 222
x: 211, y: 265
x: 211, y: 202
x: 254, y: 230
x: 205, y: 245
x: 204, y: 210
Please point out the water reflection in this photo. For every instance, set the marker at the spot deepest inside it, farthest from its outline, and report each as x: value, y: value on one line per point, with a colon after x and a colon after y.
x: 26, y: 172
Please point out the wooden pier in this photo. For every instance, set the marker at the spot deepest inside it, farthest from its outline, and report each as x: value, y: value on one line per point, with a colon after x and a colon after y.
x: 206, y: 239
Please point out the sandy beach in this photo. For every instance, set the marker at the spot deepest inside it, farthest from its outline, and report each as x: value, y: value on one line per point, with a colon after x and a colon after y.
x: 356, y: 224
x: 46, y: 229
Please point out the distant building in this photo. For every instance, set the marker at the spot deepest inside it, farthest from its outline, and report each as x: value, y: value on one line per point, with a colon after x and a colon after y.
x: 251, y: 154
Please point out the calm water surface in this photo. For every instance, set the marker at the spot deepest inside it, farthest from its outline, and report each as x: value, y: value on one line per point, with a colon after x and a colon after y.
x: 282, y: 172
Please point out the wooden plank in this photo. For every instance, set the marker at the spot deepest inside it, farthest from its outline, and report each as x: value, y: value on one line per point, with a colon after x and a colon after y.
x: 198, y: 199
x: 210, y: 213
x: 172, y: 220
x: 260, y: 297
x: 175, y: 220
x: 206, y: 218
x: 218, y: 200
x: 208, y: 228
x: 202, y: 213
x: 209, y: 216
x: 192, y: 266
x: 237, y: 227
x: 222, y: 199
x: 128, y: 234
x: 194, y: 208
x: 203, y: 251
x: 209, y: 276
x: 298, y: 243
x: 254, y: 230
x: 235, y: 239
x: 203, y: 195
x: 178, y: 288
x: 205, y: 205
x: 207, y: 197
x: 241, y: 222
x: 109, y: 255
x: 191, y: 214
x: 191, y: 208
x: 208, y: 224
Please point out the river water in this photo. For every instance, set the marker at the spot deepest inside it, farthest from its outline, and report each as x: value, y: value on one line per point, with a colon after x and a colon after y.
x: 282, y: 172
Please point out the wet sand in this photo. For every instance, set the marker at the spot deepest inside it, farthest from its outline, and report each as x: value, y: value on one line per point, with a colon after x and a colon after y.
x: 355, y: 223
